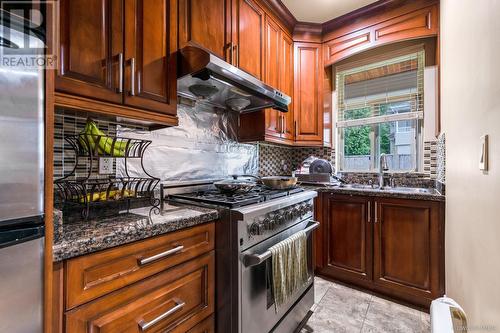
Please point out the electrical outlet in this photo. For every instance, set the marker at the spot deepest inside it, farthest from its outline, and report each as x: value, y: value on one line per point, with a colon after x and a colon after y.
x: 105, y: 166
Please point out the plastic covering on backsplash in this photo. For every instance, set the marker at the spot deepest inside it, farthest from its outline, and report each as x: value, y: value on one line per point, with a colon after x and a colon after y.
x: 203, y: 146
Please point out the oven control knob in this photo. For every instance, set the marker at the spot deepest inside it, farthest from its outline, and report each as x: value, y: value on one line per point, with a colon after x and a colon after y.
x: 267, y: 223
x: 288, y: 214
x: 296, y: 211
x: 304, y: 209
x: 272, y: 224
x: 280, y: 219
x: 256, y: 228
x: 253, y: 229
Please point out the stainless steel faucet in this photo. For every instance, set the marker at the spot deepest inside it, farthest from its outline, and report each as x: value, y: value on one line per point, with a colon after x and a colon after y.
x: 383, y: 168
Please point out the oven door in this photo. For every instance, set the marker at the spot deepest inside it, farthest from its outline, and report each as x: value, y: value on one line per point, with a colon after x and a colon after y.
x: 257, y: 311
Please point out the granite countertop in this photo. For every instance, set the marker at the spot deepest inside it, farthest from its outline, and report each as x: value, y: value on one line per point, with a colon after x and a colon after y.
x: 432, y: 194
x: 83, y: 237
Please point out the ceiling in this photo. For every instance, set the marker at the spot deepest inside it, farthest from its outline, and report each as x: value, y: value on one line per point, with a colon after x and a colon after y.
x: 320, y: 11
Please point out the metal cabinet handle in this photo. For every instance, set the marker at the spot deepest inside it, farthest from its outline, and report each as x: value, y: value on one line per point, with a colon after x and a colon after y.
x: 369, y: 211
x: 229, y: 48
x: 144, y: 325
x: 237, y: 52
x: 158, y: 256
x: 132, y: 76
x: 282, y: 124
x: 295, y: 134
x: 120, y: 73
x: 376, y: 216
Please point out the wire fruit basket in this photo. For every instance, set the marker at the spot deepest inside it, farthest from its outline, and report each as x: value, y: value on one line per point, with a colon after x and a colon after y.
x: 91, y: 190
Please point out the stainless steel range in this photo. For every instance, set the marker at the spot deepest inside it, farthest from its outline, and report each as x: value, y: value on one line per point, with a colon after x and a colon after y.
x: 250, y: 224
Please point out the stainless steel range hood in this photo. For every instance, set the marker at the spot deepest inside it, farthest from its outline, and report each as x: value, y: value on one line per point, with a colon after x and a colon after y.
x: 208, y: 79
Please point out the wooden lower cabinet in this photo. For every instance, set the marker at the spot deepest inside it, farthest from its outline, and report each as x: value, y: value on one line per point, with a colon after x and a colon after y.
x: 97, y: 274
x: 408, y: 248
x: 179, y: 298
x: 389, y: 245
x: 171, y: 301
x: 348, y: 237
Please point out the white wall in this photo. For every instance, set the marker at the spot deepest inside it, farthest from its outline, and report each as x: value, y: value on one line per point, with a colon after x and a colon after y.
x: 470, y: 104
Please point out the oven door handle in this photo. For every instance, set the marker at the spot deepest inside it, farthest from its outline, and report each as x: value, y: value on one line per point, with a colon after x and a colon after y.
x: 257, y: 259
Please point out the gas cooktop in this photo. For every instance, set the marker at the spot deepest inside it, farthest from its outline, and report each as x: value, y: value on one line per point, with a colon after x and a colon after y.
x: 256, y: 195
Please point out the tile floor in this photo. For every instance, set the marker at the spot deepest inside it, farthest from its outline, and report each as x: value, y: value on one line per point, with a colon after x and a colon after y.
x: 345, y: 310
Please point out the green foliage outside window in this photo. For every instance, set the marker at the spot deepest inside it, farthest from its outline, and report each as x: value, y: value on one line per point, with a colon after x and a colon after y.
x: 357, y: 139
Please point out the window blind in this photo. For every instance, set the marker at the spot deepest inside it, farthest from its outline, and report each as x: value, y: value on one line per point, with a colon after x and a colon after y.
x: 389, y: 90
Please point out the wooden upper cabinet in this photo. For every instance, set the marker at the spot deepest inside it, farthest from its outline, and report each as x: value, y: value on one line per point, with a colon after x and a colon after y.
x: 206, y: 23
x: 248, y: 36
x: 419, y: 23
x: 274, y: 122
x: 118, y: 59
x: 308, y: 105
x: 407, y: 241
x: 286, y: 84
x: 150, y: 60
x: 347, y: 239
x: 90, y: 54
x: 272, y: 125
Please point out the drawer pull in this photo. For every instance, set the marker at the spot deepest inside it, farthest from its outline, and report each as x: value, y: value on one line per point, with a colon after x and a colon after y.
x: 167, y: 253
x: 146, y: 325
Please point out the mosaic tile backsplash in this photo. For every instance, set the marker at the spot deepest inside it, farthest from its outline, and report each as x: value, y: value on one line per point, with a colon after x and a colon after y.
x: 273, y: 159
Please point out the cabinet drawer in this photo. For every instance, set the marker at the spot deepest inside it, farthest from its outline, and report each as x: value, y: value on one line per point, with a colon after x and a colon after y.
x: 173, y: 301
x: 206, y: 326
x: 95, y: 275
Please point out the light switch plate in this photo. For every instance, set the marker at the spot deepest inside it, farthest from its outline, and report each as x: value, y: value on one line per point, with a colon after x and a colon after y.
x: 483, y: 158
x: 105, y: 166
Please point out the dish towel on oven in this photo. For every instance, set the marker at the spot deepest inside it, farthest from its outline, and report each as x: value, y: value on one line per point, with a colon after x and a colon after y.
x: 289, y: 267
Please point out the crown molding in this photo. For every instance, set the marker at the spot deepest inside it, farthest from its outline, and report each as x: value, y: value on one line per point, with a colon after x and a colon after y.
x: 281, y: 11
x: 315, y: 32
x: 308, y: 32
x: 370, y: 9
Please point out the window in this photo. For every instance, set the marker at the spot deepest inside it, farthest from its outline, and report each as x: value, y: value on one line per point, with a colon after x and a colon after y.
x: 380, y: 111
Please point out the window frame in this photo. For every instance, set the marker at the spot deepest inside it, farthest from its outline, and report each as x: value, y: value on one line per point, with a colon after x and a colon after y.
x: 418, y: 157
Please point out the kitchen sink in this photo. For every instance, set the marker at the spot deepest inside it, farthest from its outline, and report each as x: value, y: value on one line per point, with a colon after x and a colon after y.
x: 359, y: 186
x: 410, y: 190
x: 416, y: 190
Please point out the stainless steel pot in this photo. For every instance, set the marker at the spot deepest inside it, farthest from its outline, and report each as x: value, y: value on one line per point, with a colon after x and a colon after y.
x: 234, y: 186
x: 274, y: 182
x: 279, y: 182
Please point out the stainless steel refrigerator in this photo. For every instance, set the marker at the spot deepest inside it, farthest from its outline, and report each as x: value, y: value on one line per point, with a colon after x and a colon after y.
x: 21, y: 184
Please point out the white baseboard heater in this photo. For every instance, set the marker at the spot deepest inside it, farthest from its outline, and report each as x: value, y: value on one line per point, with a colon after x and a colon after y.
x: 447, y: 316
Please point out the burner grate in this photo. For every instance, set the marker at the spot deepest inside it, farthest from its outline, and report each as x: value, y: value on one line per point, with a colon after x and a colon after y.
x: 258, y: 194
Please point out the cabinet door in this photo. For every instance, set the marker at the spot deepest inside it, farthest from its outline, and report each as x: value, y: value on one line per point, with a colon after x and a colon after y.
x: 205, y: 23
x: 308, y: 105
x: 249, y: 37
x: 272, y: 71
x: 286, y: 84
x: 150, y: 45
x: 407, y: 253
x: 171, y: 301
x: 91, y: 49
x: 347, y: 237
